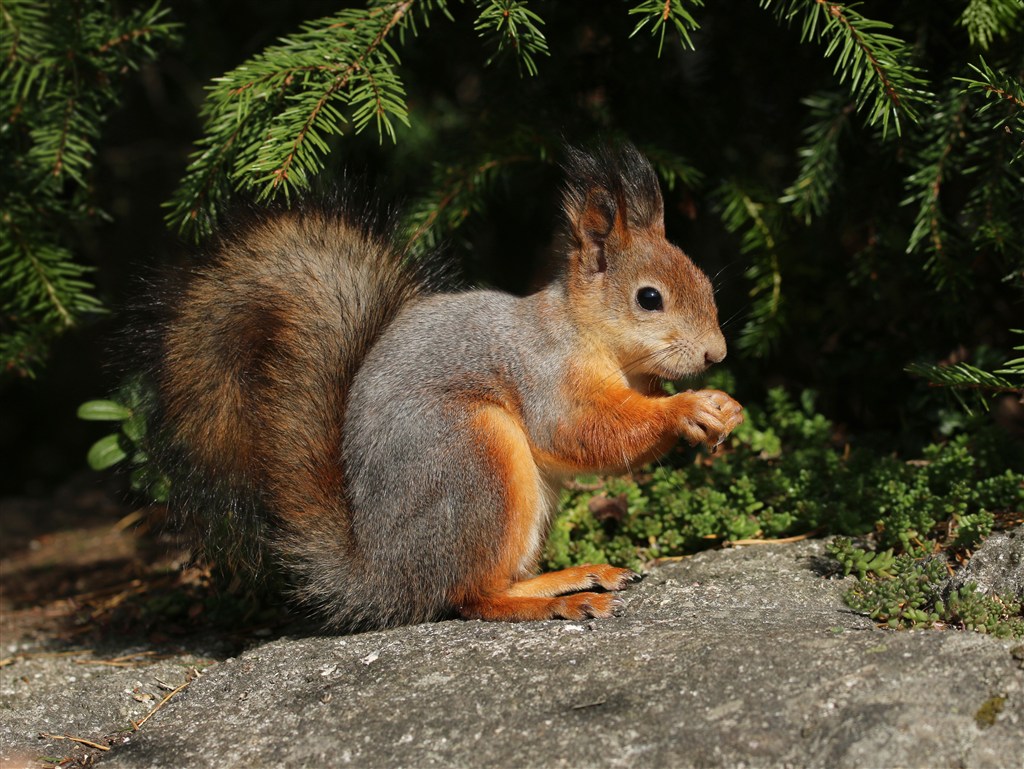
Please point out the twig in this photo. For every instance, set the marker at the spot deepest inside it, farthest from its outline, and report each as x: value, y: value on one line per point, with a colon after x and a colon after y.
x: 193, y: 675
x: 33, y: 655
x: 782, y: 540
x: 127, y: 661
x: 122, y: 659
x: 585, y: 705
x: 120, y: 587
x: 125, y: 38
x: 163, y: 684
x: 1002, y: 94
x: 80, y: 740
x: 128, y: 520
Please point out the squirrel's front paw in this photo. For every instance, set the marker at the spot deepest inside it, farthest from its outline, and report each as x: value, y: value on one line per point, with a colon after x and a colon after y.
x: 709, y: 416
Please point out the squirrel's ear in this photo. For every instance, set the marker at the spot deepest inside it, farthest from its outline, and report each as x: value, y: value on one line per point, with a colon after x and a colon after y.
x: 594, y: 220
x: 608, y: 196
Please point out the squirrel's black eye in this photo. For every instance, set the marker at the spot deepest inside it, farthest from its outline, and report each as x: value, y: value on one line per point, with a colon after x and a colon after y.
x: 649, y: 299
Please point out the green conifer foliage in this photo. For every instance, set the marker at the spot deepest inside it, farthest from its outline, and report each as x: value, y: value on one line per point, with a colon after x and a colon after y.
x: 62, y: 62
x: 269, y: 121
x: 888, y: 104
x: 877, y: 67
x: 892, y: 175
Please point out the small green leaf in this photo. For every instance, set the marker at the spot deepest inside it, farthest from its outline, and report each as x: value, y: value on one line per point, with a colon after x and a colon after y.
x: 134, y: 428
x: 106, y: 452
x: 103, y: 411
x: 147, y: 480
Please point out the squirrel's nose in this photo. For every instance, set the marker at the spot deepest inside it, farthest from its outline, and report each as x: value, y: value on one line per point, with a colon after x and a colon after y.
x: 715, y: 351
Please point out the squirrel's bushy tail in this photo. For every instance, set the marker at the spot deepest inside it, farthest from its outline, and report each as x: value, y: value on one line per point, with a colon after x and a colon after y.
x: 258, y: 356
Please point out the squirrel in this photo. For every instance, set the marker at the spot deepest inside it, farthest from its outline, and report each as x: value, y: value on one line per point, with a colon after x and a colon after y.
x: 404, y: 446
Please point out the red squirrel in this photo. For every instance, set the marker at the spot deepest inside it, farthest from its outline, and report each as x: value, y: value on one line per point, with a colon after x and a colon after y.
x: 404, y: 447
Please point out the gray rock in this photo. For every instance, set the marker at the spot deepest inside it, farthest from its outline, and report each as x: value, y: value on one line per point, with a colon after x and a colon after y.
x: 81, y: 695
x: 997, y: 566
x: 735, y: 658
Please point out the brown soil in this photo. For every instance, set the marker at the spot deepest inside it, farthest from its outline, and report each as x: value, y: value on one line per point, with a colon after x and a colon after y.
x: 82, y: 569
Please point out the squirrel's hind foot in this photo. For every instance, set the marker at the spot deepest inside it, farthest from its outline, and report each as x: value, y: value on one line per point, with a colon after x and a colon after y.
x: 575, y: 579
x: 507, y: 608
x: 564, y: 594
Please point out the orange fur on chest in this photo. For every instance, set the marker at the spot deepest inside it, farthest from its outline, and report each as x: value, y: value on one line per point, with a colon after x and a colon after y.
x: 614, y: 426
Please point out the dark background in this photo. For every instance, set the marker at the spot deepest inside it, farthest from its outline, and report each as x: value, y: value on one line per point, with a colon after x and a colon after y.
x: 732, y: 108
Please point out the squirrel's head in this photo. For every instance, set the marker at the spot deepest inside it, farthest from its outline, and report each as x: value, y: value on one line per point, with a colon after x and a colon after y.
x: 629, y: 288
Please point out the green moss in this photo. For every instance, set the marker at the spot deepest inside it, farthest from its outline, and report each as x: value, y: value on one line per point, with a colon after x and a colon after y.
x: 1017, y: 652
x: 904, y: 592
x: 989, y: 711
x: 998, y: 615
x: 861, y: 562
x: 784, y: 472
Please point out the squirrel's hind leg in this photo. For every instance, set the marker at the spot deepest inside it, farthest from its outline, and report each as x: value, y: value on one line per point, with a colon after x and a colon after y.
x: 499, y: 592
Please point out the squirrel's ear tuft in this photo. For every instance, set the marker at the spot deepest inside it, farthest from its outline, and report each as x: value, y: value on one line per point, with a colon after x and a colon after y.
x: 608, y: 195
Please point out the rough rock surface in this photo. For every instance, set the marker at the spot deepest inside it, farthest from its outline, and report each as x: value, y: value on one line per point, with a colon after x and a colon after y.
x: 736, y: 658
x: 998, y: 565
x: 78, y: 694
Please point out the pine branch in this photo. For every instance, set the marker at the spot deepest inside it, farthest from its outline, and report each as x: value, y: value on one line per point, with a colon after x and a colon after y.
x: 996, y: 84
x: 986, y: 20
x: 458, y: 191
x: 673, y: 168
x: 64, y: 83
x: 135, y: 35
x: 964, y: 376
x: 512, y: 26
x: 22, y: 350
x: 995, y: 205
x: 1015, y: 367
x: 999, y: 89
x: 64, y: 142
x: 386, y: 98
x: 309, y: 128
x: 269, y: 121
x: 756, y: 219
x: 40, y: 279
x: 876, y: 65
x: 63, y: 60
x: 660, y: 14
x: 89, y: 53
x: 23, y: 37
x: 936, y: 161
x: 961, y: 378
x: 819, y: 168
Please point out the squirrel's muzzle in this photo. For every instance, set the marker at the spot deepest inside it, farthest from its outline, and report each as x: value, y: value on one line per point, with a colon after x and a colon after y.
x: 714, y: 351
